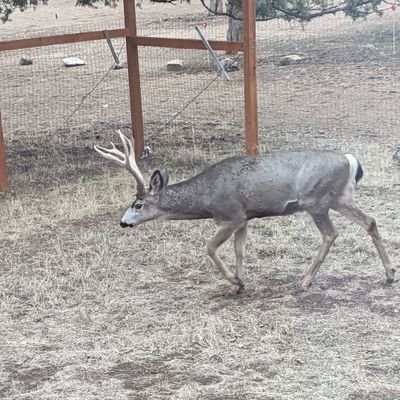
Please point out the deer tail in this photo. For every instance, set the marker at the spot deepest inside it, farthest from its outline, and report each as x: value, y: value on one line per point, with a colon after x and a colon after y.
x: 356, y: 171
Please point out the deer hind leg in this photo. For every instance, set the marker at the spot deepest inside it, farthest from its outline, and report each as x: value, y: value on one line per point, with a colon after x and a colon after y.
x: 224, y: 232
x: 329, y: 234
x: 240, y: 244
x: 369, y: 224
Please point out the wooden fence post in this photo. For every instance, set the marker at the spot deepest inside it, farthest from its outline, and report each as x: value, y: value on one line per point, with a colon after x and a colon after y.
x: 3, y: 165
x: 134, y: 77
x: 250, y: 86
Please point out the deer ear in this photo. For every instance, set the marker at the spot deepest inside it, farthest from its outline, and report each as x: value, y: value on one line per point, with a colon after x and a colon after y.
x: 158, y: 181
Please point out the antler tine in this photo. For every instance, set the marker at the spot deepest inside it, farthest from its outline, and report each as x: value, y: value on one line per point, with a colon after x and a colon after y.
x: 126, y: 159
x: 112, y: 154
x: 130, y: 163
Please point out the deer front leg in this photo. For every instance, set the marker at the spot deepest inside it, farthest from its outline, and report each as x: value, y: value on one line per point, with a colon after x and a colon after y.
x: 240, y: 244
x: 329, y: 234
x: 224, y: 232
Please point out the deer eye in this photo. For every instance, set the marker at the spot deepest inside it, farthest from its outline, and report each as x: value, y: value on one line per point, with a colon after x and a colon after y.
x: 138, y: 206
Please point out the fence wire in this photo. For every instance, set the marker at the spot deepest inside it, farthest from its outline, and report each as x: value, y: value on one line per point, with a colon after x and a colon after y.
x: 344, y: 83
x: 43, y: 97
x: 343, y: 77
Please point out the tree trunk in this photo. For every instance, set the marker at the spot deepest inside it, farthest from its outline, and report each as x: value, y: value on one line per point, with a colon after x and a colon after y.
x: 235, y: 26
x: 217, y: 6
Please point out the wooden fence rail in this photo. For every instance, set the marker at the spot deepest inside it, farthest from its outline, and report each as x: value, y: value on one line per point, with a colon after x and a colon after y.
x: 61, y: 39
x: 118, y: 33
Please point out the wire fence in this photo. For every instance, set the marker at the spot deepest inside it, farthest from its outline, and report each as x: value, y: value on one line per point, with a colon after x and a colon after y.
x: 342, y: 77
x: 46, y: 96
x: 343, y: 85
x: 41, y: 96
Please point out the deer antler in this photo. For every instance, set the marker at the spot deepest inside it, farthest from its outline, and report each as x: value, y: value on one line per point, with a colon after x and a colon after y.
x: 125, y: 159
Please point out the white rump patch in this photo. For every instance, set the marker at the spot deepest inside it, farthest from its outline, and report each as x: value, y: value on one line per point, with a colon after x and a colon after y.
x: 353, y: 167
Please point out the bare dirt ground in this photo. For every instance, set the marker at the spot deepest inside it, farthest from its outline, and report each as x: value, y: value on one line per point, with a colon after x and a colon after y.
x: 90, y: 311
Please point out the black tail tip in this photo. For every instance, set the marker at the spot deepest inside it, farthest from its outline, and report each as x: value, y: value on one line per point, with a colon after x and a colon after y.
x: 359, y: 173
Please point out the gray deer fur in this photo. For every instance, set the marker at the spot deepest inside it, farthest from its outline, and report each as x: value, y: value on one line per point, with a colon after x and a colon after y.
x: 238, y: 189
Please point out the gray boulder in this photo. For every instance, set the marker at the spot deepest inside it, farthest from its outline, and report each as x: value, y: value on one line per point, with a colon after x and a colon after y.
x: 73, y: 62
x: 230, y: 65
x: 25, y: 61
x: 290, y: 59
x: 175, y: 65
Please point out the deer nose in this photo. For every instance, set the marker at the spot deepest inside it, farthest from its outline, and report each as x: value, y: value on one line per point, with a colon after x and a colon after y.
x: 123, y: 224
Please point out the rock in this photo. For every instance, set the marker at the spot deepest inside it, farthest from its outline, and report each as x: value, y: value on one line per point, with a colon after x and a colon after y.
x: 73, y: 62
x: 290, y: 59
x: 25, y: 61
x: 230, y: 65
x: 175, y: 65
x: 120, y: 65
x: 369, y: 48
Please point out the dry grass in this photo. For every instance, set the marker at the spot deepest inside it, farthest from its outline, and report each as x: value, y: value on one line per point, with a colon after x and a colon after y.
x: 91, y: 311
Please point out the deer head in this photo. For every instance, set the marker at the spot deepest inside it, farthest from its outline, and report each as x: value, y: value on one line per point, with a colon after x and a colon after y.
x: 145, y: 206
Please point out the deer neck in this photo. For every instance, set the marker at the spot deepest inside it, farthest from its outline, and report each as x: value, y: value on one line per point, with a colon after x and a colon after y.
x: 182, y: 201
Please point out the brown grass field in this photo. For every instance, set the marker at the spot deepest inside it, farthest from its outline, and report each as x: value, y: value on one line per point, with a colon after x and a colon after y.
x: 90, y: 311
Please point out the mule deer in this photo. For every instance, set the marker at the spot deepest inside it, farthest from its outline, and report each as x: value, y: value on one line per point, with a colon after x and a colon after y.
x: 240, y: 188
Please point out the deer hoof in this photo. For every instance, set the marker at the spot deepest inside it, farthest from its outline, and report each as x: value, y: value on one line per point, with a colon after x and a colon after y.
x: 390, y: 275
x: 306, y: 283
x: 237, y: 285
x: 239, y: 289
